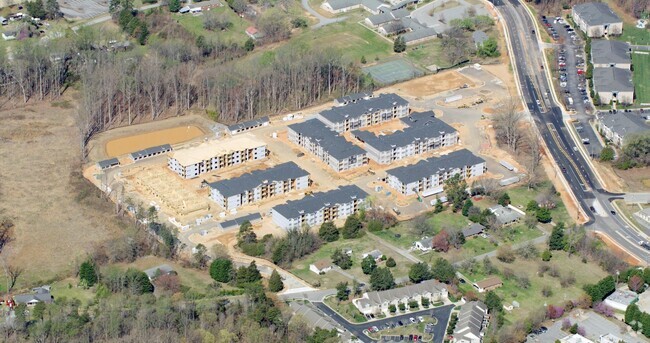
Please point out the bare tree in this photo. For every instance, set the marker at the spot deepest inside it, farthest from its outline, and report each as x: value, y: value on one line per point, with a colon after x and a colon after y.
x: 13, y: 273
x: 533, y: 158
x: 507, y: 124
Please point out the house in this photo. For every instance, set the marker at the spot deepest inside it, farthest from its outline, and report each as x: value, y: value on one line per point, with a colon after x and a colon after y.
x: 473, y: 230
x: 425, y: 244
x: 38, y: 294
x: 376, y: 255
x: 419, y: 35
x: 505, y: 215
x: 479, y: 37
x: 107, y: 164
x: 352, y: 98
x: 163, y: 269
x: 427, y: 177
x: 258, y: 185
x: 488, y: 284
x: 253, y: 33
x: 607, y: 53
x: 331, y: 148
x: 379, y: 301
x: 575, y: 338
x: 150, y: 152
x: 617, y: 127
x: 319, y: 207
x: 321, y: 266
x: 644, y: 215
x: 386, y: 17
x: 597, y: 19
x: 392, y: 28
x: 216, y: 154
x: 365, y: 112
x: 342, y: 6
x: 423, y: 133
x: 9, y: 35
x: 471, y: 324
x: 621, y: 299
x: 248, y: 125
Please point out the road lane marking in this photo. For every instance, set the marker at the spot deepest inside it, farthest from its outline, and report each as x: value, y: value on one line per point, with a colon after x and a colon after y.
x: 556, y: 138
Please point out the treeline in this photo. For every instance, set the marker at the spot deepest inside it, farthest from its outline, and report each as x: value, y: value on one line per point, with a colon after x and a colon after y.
x: 635, y: 152
x: 636, y: 8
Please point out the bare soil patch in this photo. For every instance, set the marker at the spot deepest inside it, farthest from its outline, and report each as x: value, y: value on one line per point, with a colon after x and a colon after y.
x: 125, y: 145
x: 430, y: 85
x: 635, y: 179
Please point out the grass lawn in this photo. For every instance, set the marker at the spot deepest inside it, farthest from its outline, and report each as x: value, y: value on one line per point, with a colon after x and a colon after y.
x: 641, y: 76
x: 194, y: 24
x: 426, y: 54
x: 346, y: 309
x: 520, y: 196
x: 68, y: 288
x: 634, y: 35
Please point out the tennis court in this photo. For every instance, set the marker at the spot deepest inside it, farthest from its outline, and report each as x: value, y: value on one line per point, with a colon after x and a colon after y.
x: 393, y: 71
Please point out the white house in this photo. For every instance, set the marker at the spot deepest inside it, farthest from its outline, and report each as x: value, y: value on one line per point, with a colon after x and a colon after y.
x: 575, y: 338
x: 321, y: 266
x: 596, y: 19
x: 376, y: 254
x: 425, y: 244
x: 379, y: 301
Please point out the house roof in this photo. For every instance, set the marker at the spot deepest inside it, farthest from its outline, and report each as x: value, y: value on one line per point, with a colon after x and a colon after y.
x: 341, y: 4
x: 623, y: 297
x: 623, y: 124
x: 575, y: 338
x: 435, y: 165
x: 613, y: 80
x: 248, y: 124
x: 365, y: 106
x: 164, y: 269
x: 479, y: 37
x: 354, y: 97
x: 149, y: 151
x: 470, y: 319
x: 251, y: 30
x: 489, y: 282
x: 504, y: 214
x: 249, y: 181
x: 419, y: 34
x: 605, y: 51
x: 42, y: 295
x: 402, y: 4
x: 426, y: 126
x: 330, y: 141
x: 393, y: 26
x: 317, y: 201
x: 596, y: 13
x: 426, y: 242
x: 108, y: 163
x: 473, y: 230
x: 376, y: 298
x: 375, y: 254
x: 208, y: 150
x: 322, y: 264
x: 386, y: 17
x: 240, y: 220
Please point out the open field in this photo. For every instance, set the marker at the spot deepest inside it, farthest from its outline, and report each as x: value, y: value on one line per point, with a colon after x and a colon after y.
x: 125, y: 145
x: 431, y: 85
x: 634, y: 35
x: 194, y: 24
x: 635, y: 179
x: 427, y: 54
x: 641, y: 77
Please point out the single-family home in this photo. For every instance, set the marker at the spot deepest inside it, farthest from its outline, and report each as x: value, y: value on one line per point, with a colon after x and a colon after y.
x: 471, y: 324
x: 425, y: 244
x: 184, y: 9
x: 38, y: 294
x: 347, y: 251
x: 488, y: 284
x: 321, y: 266
x: 575, y: 338
x: 479, y: 37
x: 423, y: 133
x: 608, y: 53
x: 9, y: 35
x: 617, y: 127
x: 379, y: 301
x: 150, y: 152
x: 473, y: 230
x: 596, y: 19
x: 107, y: 164
x: 320, y: 207
x: 505, y: 215
x: 248, y: 125
x: 253, y: 33
x: 621, y: 299
x: 427, y: 177
x: 163, y: 269
x: 365, y: 112
x: 376, y: 255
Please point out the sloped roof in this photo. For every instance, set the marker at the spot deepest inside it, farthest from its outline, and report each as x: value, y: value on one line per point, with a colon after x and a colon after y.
x: 164, y: 269
x: 248, y: 124
x: 330, y: 141
x: 596, y: 13
x: 108, y: 163
x: 317, y: 201
x: 489, y: 282
x: 365, y: 106
x: 435, y: 165
x: 624, y: 124
x: 419, y: 34
x: 504, y: 214
x: 376, y: 298
x: 613, y: 80
x: 470, y: 319
x: 479, y: 37
x: 473, y: 230
x: 150, y: 151
x: 605, y: 51
x: 249, y: 181
x: 240, y: 220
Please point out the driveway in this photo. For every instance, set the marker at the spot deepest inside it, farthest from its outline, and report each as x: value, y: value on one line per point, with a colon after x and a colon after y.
x: 322, y: 20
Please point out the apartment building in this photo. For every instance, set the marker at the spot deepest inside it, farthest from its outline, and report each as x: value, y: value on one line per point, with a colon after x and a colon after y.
x: 427, y: 177
x: 258, y: 185
x: 327, y: 145
x: 319, y: 207
x: 217, y: 154
x: 248, y: 125
x: 613, y: 84
x: 424, y: 133
x: 596, y: 19
x: 617, y: 127
x: 150, y: 152
x: 607, y: 53
x: 365, y: 112
x: 471, y: 324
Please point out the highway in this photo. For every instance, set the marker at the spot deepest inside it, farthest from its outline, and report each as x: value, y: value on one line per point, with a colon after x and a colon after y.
x: 527, y: 58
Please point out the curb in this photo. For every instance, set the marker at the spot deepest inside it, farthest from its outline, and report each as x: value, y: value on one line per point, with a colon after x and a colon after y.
x: 619, y: 246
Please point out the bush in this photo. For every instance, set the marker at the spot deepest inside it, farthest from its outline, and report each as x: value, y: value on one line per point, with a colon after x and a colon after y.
x: 607, y: 154
x: 413, y: 304
x: 505, y: 254
x: 392, y: 308
x: 401, y: 307
x: 390, y: 262
x: 546, y: 255
x: 425, y: 302
x: 221, y: 269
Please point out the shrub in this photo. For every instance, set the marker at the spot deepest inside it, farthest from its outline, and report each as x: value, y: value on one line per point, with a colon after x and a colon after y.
x: 546, y: 255
x: 413, y: 304
x: 402, y: 307
x: 391, y: 308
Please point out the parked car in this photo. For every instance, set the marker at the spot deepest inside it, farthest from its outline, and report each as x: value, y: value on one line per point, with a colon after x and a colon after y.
x: 412, y: 320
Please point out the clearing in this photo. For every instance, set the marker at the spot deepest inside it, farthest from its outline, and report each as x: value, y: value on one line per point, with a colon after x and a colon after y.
x: 430, y: 85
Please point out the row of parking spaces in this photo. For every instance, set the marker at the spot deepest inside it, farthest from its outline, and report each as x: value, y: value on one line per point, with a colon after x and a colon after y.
x: 394, y: 324
x: 589, y: 139
x: 402, y: 338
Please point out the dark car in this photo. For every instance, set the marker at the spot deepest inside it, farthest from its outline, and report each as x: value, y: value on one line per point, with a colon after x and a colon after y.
x: 592, y: 209
x: 543, y: 328
x: 400, y: 323
x: 613, y: 212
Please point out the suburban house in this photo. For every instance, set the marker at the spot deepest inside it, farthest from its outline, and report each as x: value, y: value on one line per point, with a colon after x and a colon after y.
x: 479, y: 37
x: 621, y: 299
x: 376, y: 255
x: 607, y: 53
x: 327, y: 145
x: 163, y: 269
x: 248, y: 125
x: 386, y: 17
x: 107, y: 164
x: 379, y: 301
x: 38, y: 294
x: 341, y: 6
x: 617, y: 127
x: 424, y: 133
x: 319, y: 207
x: 252, y: 218
x: 425, y: 244
x: 216, y: 154
x: 644, y: 215
x: 253, y: 33
x: 488, y: 284
x: 472, y: 321
x: 352, y: 98
x: 258, y: 185
x: 613, y: 84
x: 365, y: 112
x: 150, y: 152
x: 419, y: 35
x: 575, y: 338
x: 427, y: 177
x: 321, y: 266
x: 473, y: 230
x: 596, y: 19
x: 505, y: 215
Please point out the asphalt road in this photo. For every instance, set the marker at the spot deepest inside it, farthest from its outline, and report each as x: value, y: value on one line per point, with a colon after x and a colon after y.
x: 322, y: 20
x: 441, y: 313
x: 550, y: 123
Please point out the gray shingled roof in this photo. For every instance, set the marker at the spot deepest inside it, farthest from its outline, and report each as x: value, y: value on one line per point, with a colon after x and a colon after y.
x: 470, y: 319
x: 330, y: 141
x: 504, y: 215
x: 164, y: 269
x: 613, y: 80
x: 604, y: 51
x: 353, y: 97
x: 419, y: 34
x: 315, y: 202
x: 434, y: 165
x: 376, y: 298
x: 479, y: 37
x: 624, y: 124
x: 153, y: 150
x: 386, y: 17
x: 248, y: 181
x: 422, y: 126
x: 253, y: 217
x: 248, y: 124
x: 361, y: 107
x: 596, y: 13
x: 473, y: 230
x: 108, y: 163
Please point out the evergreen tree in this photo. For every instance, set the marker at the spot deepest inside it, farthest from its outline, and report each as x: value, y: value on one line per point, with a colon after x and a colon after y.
x: 351, y: 228
x: 221, y: 269
x: 342, y: 291
x: 439, y: 206
x: 275, y: 282
x: 382, y: 279
x: 468, y: 204
x: 442, y: 270
x: 607, y: 154
x: 36, y: 9
x: 88, y: 274
x: 504, y: 199
x: 631, y: 313
x: 52, y: 8
x: 249, y: 45
x: 532, y: 206
x: 557, y: 240
x: 543, y: 215
x: 344, y: 261
x: 399, y: 45
x: 174, y: 5
x: 489, y: 48
x: 419, y: 272
x: 368, y: 264
x: 493, y: 302
x: 390, y: 262
x: 328, y: 232
x: 138, y: 282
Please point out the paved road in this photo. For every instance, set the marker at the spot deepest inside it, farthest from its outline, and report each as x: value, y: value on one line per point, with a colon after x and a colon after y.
x: 441, y: 313
x: 549, y: 120
x: 322, y: 20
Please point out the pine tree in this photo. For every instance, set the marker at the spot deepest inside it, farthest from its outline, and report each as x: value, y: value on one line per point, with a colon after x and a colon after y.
x: 342, y: 291
x: 556, y: 241
x: 221, y: 270
x: 174, y: 5
x: 275, y: 282
x: 468, y: 204
x: 87, y: 274
x: 399, y: 45
x: 504, y: 199
x: 249, y: 45
x: 328, y: 232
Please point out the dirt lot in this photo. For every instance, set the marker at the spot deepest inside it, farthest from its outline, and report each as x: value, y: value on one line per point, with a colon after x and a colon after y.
x: 430, y: 85
x: 129, y: 144
x: 635, y: 180
x: 39, y: 149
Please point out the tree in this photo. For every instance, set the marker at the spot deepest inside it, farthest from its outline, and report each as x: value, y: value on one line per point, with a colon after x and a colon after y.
x: 419, y: 272
x: 344, y: 261
x: 363, y: 60
x: 543, y: 215
x: 368, y: 264
x: 507, y: 124
x: 352, y: 227
x: 454, y: 45
x: 299, y: 23
x: 38, y: 311
x: 342, y: 291
x: 390, y: 262
x: 468, y: 204
x: 635, y: 283
x: 532, y: 206
x: 632, y: 313
x: 442, y: 270
x: 439, y: 206
x: 221, y: 269
x: 456, y: 189
x: 546, y: 255
x: 249, y: 45
x: 557, y: 241
x: 52, y: 8
x: 36, y: 9
x: 505, y: 254
x: 441, y: 241
x: 493, y: 302
x: 275, y: 282
x: 174, y: 5
x: 601, y: 290
x: 328, y: 232
x: 87, y: 274
x: 247, y: 275
x: 322, y: 336
x: 607, y: 154
x: 381, y: 279
x: 420, y: 226
x: 504, y: 199
x: 200, y: 257
x: 399, y: 45
x: 138, y: 282
x: 489, y: 48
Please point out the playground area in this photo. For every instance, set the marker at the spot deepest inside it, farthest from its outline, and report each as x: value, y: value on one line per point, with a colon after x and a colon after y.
x: 393, y: 71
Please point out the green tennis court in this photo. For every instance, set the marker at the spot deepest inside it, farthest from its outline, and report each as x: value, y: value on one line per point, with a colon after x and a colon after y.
x: 393, y: 71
